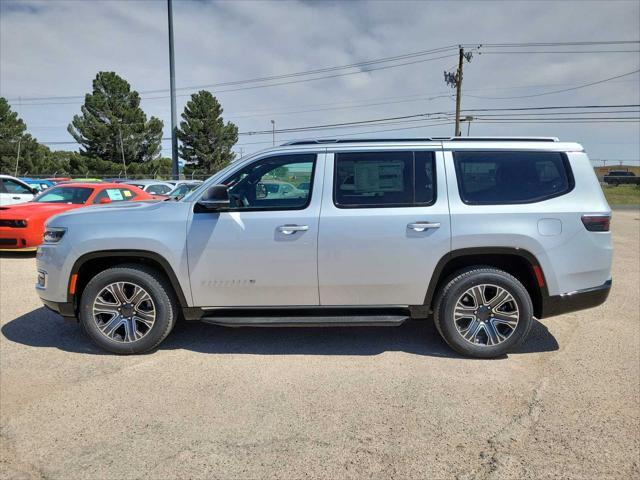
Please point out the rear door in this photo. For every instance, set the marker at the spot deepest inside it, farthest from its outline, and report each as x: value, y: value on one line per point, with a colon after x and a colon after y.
x: 384, y: 226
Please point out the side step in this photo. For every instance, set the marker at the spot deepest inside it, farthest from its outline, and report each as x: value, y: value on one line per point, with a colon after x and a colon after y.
x: 309, y: 321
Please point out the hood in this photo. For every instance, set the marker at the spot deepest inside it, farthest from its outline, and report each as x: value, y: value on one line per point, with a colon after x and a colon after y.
x: 31, y: 209
x: 121, y: 212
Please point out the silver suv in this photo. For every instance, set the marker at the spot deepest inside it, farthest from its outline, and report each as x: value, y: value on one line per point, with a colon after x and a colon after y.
x: 482, y: 234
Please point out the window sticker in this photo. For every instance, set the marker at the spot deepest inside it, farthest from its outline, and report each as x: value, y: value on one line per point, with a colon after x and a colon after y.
x: 127, y: 193
x: 114, y: 194
x: 379, y: 176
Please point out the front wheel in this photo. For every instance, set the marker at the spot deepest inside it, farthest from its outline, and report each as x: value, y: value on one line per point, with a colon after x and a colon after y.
x: 128, y: 309
x: 483, y: 312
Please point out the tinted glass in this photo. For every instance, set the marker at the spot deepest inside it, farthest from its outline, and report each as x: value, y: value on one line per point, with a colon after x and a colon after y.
x: 75, y: 195
x: 115, y: 195
x: 273, y: 183
x: 511, y: 177
x: 159, y: 189
x: 11, y: 186
x: 379, y: 179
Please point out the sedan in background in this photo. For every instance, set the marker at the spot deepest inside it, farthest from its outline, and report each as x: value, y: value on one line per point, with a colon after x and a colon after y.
x: 39, y: 184
x: 13, y: 190
x: 22, y: 226
x: 182, y: 189
x: 154, y: 187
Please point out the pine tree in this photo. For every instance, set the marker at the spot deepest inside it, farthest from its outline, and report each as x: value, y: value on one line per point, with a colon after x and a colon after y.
x: 206, y: 139
x: 112, y: 122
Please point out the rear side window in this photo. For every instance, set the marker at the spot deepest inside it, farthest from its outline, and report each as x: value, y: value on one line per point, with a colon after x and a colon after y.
x: 384, y: 179
x: 486, y: 178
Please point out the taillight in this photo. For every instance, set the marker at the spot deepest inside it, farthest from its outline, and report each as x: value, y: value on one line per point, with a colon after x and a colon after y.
x: 596, y: 223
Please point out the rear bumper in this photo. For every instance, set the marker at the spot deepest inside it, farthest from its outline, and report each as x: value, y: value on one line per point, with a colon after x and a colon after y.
x: 574, y: 301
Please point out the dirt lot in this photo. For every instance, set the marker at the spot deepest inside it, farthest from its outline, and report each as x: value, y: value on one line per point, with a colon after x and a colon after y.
x: 323, y: 403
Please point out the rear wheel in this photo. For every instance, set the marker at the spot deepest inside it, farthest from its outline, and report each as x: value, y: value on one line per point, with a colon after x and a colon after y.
x: 128, y: 309
x: 483, y: 312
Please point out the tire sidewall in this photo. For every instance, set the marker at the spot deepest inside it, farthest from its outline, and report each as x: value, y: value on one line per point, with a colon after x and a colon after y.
x: 163, y: 307
x: 446, y: 308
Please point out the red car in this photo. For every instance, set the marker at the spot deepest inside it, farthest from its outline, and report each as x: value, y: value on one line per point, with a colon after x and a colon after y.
x: 22, y: 225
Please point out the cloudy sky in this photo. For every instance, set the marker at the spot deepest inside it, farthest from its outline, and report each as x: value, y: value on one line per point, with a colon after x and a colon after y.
x: 52, y: 50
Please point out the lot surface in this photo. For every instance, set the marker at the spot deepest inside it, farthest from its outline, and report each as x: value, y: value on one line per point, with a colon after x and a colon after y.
x: 323, y: 403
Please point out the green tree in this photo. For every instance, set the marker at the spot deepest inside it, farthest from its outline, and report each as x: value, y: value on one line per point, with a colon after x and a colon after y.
x: 112, y: 122
x: 15, y: 142
x: 206, y: 139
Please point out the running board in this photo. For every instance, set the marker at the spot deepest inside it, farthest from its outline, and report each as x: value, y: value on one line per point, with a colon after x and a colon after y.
x: 309, y: 321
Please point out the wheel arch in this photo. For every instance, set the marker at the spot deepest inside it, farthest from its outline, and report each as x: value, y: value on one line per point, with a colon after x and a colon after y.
x: 518, y: 262
x: 89, y: 264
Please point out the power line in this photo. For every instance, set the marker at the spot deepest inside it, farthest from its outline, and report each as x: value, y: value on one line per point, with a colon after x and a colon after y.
x: 366, y: 63
x: 559, y: 91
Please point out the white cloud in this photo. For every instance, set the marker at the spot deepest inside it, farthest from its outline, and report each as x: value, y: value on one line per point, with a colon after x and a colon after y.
x: 56, y: 48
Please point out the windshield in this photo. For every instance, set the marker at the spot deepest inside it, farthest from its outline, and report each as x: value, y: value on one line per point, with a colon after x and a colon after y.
x: 74, y: 195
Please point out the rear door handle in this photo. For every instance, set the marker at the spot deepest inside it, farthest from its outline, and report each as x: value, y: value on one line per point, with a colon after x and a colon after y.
x: 291, y: 229
x: 422, y: 226
x: 15, y: 198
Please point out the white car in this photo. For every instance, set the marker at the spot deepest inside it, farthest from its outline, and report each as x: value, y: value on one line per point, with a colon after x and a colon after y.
x: 14, y: 191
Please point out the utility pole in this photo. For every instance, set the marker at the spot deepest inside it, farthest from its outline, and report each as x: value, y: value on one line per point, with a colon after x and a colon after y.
x: 455, y: 80
x: 18, y: 157
x: 459, y: 91
x: 172, y: 81
x: 273, y: 131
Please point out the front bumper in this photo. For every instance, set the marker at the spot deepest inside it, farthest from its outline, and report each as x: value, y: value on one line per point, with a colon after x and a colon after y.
x: 574, y: 301
x: 64, y: 309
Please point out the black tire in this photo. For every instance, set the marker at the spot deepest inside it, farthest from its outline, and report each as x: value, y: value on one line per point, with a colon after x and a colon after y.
x: 158, y: 288
x: 453, y: 290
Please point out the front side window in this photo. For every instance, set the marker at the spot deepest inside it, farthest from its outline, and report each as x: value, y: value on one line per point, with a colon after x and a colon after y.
x: 486, y: 178
x: 384, y: 179
x: 11, y: 186
x: 273, y: 183
x: 74, y: 195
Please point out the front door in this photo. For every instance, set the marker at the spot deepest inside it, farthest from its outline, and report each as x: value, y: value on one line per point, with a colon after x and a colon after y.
x: 12, y: 192
x: 384, y: 226
x: 263, y: 251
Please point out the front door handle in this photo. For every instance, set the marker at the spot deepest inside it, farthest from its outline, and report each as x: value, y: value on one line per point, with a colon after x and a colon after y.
x: 16, y: 198
x: 422, y: 226
x: 291, y: 229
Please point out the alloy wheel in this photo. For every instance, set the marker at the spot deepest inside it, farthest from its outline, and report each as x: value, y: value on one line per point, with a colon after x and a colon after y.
x: 124, y: 312
x: 486, y: 315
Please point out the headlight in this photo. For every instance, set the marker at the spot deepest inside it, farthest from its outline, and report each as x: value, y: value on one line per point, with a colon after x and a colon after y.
x: 53, y: 235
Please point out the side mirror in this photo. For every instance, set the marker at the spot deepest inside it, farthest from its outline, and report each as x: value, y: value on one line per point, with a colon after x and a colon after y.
x: 216, y: 198
x: 104, y: 200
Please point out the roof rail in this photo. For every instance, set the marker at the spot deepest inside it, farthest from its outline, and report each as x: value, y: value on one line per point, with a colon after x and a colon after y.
x: 321, y: 141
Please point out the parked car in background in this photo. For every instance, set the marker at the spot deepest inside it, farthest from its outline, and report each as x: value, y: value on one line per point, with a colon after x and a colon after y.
x: 82, y: 180
x: 154, y: 187
x: 22, y: 226
x: 481, y: 234
x: 182, y: 189
x: 57, y: 180
x: 274, y: 189
x: 621, y: 177
x: 13, y: 190
x: 39, y: 184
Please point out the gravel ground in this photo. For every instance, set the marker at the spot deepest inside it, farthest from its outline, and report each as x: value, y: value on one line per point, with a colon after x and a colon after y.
x: 333, y: 403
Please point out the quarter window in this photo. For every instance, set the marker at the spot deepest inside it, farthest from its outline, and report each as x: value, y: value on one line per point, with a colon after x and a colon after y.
x: 384, y: 179
x: 486, y: 178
